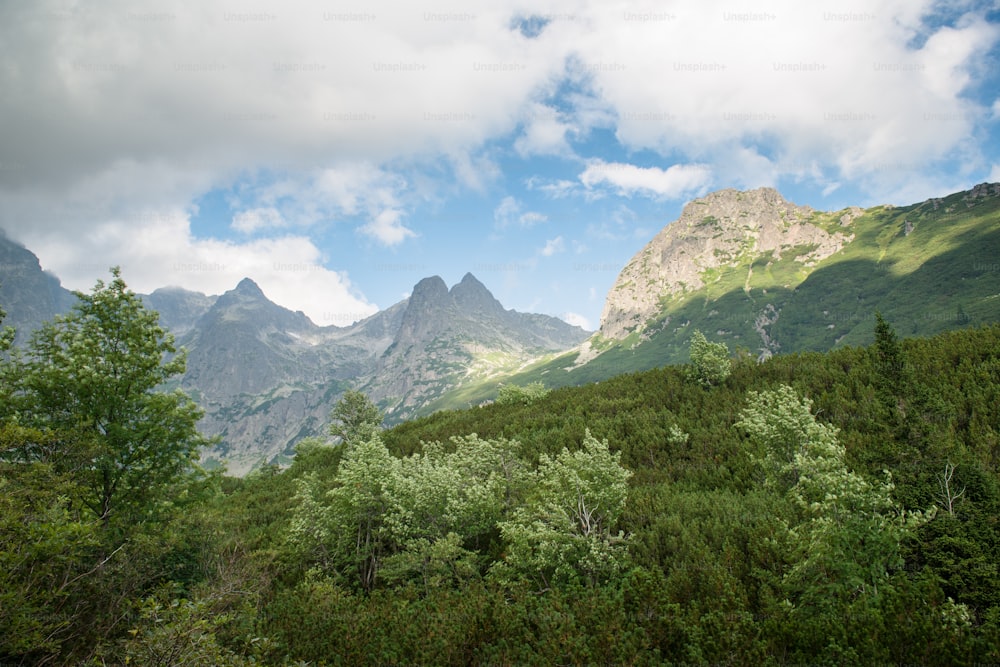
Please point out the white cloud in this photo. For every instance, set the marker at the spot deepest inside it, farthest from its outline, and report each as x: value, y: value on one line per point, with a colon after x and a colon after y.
x: 387, y: 228
x: 509, y: 213
x: 155, y: 250
x: 553, y: 246
x: 576, y: 320
x: 544, y: 133
x: 556, y: 189
x: 675, y: 182
x: 994, y: 176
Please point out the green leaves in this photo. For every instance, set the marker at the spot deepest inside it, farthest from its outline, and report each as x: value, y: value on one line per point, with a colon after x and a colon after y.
x: 564, y: 533
x: 709, y: 361
x: 99, y: 373
x: 849, y: 534
x: 434, y: 516
x: 512, y: 394
x: 355, y: 418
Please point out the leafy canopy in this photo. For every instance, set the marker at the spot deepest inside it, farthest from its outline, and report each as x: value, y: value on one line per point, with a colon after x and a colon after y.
x: 710, y: 361
x: 98, y: 375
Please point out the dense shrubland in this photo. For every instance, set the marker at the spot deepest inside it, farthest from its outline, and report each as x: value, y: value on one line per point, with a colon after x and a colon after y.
x: 837, y: 508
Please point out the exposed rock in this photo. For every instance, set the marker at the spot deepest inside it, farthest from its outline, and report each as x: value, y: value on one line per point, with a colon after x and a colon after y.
x: 449, y: 336
x: 29, y: 295
x: 715, y: 231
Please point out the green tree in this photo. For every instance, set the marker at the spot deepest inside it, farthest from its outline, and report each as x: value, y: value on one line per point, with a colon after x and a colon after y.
x: 512, y: 394
x: 347, y: 528
x: 890, y: 364
x: 848, y: 538
x: 564, y: 532
x: 98, y: 373
x: 355, y: 418
x: 710, y: 361
x: 46, y: 549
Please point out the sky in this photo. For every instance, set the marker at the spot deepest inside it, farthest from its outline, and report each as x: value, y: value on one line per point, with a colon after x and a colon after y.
x: 337, y: 153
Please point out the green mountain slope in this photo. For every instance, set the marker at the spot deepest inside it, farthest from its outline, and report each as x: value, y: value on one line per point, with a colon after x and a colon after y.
x: 928, y: 268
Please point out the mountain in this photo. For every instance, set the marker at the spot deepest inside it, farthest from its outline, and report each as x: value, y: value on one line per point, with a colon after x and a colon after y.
x: 448, y: 338
x: 29, y: 295
x: 755, y: 271
x: 267, y: 377
x: 767, y: 276
x: 179, y: 308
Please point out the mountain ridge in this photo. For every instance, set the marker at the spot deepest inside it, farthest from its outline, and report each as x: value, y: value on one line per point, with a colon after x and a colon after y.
x: 747, y: 268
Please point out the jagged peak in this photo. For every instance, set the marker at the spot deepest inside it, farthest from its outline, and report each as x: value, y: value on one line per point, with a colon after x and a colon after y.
x: 469, y: 279
x: 472, y: 295
x: 430, y: 288
x: 249, y: 288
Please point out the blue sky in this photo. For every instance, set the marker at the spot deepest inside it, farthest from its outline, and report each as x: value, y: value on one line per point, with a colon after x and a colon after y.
x: 337, y: 155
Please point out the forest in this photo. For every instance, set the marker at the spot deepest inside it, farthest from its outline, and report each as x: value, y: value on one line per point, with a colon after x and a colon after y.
x: 814, y: 509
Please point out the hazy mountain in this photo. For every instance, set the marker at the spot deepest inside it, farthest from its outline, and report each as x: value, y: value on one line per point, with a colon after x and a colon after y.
x: 179, y: 308
x: 29, y: 295
x: 448, y: 338
x: 267, y: 376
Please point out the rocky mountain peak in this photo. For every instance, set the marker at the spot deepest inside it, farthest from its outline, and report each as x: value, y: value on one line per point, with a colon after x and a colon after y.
x: 249, y: 288
x: 720, y: 229
x: 29, y: 295
x: 471, y: 296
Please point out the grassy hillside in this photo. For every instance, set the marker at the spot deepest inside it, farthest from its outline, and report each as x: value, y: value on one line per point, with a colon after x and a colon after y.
x: 928, y: 268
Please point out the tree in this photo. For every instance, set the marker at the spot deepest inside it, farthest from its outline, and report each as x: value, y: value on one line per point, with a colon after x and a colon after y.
x: 850, y: 529
x: 355, y: 418
x: 512, y: 394
x: 710, y: 361
x: 563, y: 534
x: 348, y: 527
x: 98, y: 375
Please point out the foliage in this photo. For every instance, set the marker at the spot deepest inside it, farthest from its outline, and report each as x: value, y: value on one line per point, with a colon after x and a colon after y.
x: 762, y: 528
x: 355, y: 418
x: 98, y: 373
x: 709, y: 361
x: 564, y: 534
x: 512, y: 394
x: 851, y: 528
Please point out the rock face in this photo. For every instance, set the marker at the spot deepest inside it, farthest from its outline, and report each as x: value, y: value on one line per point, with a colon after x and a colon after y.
x: 448, y: 336
x: 267, y: 376
x: 179, y: 308
x: 29, y: 295
x: 712, y: 232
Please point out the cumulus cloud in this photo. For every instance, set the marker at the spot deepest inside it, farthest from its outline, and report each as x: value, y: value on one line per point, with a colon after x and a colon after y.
x: 117, y: 119
x: 387, y: 228
x: 158, y: 250
x: 510, y: 213
x: 679, y: 180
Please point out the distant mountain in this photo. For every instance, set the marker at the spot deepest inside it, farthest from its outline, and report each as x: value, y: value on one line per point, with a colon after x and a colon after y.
x: 179, y: 308
x: 767, y: 276
x: 29, y: 295
x: 448, y: 338
x: 268, y: 377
